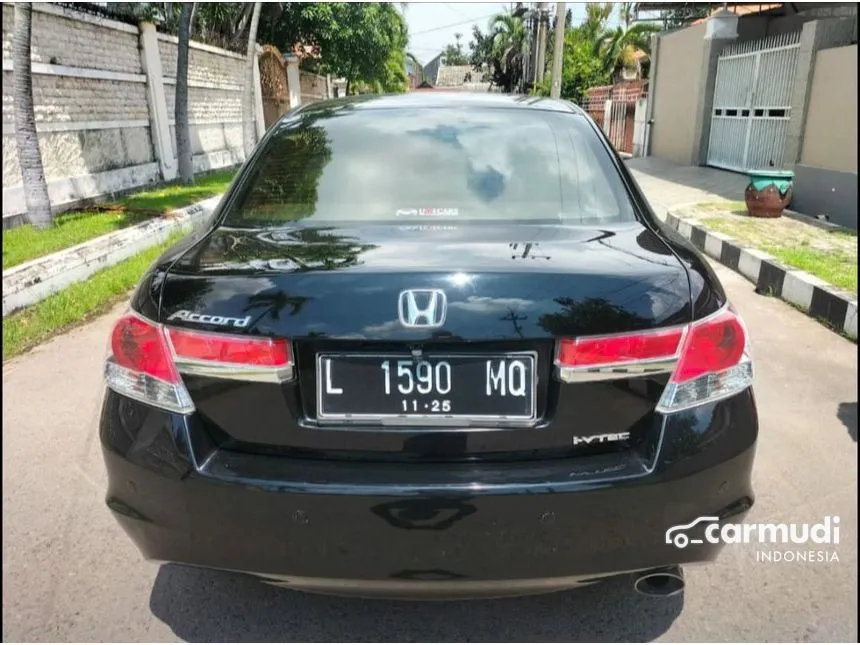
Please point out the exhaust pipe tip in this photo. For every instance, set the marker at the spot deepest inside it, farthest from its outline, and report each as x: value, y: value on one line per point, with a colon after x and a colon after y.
x: 665, y: 582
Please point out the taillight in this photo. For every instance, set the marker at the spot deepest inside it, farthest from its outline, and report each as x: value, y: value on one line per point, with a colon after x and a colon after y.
x: 708, y: 359
x: 620, y: 349
x: 236, y: 357
x: 715, y: 363
x: 141, y: 367
x: 147, y: 358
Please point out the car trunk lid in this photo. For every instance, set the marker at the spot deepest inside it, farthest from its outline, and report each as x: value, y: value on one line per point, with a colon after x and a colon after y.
x: 511, y: 291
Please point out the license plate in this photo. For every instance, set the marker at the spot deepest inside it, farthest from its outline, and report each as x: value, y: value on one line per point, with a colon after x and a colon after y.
x: 479, y: 387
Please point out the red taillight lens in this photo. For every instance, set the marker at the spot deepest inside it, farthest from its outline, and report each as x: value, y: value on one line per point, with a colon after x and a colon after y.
x: 139, y: 345
x: 234, y: 350
x: 715, y: 363
x: 141, y: 367
x: 622, y: 348
x: 712, y: 356
x: 146, y: 359
x: 712, y: 345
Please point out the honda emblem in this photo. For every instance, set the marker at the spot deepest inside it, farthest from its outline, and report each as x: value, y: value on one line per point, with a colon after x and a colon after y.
x: 422, y: 308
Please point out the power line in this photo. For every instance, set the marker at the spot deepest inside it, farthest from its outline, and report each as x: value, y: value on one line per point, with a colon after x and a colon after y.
x: 456, y: 24
x: 454, y: 9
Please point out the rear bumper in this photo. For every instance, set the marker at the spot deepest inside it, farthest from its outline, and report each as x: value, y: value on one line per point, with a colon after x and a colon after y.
x: 429, y: 530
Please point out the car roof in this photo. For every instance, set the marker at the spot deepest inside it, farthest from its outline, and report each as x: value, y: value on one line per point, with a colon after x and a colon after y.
x: 441, y: 99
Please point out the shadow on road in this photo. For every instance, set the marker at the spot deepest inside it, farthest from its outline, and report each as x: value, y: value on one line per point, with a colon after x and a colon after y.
x: 847, y: 413
x: 201, y: 605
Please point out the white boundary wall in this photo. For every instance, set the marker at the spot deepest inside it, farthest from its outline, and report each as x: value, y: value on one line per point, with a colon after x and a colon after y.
x: 103, y: 93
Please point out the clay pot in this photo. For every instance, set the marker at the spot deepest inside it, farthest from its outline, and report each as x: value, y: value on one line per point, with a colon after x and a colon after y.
x: 768, y: 192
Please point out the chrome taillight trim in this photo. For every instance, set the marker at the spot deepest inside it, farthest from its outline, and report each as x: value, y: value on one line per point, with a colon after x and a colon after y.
x: 616, y: 371
x: 235, y: 372
x: 633, y: 369
x: 622, y: 369
x: 213, y: 369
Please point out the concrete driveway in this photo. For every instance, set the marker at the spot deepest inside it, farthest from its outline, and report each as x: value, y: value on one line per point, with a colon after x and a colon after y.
x: 70, y: 574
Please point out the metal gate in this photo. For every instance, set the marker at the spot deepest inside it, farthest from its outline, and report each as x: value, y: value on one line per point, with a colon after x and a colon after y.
x: 752, y: 103
x: 613, y: 108
x: 617, y: 125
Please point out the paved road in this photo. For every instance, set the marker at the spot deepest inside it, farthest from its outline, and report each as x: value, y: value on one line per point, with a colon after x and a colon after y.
x: 70, y: 574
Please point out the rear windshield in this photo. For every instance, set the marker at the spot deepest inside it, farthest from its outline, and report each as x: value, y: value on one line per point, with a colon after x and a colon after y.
x: 351, y: 164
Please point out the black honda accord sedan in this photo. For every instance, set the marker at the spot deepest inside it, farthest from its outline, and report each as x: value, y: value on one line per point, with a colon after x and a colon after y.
x: 431, y: 346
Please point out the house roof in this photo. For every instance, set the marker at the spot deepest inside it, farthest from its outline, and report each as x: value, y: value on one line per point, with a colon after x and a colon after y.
x: 453, y: 75
x: 456, y: 76
x: 742, y: 10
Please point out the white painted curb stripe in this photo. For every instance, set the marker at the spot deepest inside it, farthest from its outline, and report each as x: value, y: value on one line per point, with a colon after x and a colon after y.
x: 798, y: 287
x: 28, y: 283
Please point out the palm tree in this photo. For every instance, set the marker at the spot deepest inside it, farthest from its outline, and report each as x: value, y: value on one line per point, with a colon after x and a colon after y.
x: 626, y: 11
x: 180, y: 108
x: 597, y: 14
x: 251, y: 60
x: 509, y: 46
x: 617, y: 47
x: 225, y: 23
x: 29, y: 156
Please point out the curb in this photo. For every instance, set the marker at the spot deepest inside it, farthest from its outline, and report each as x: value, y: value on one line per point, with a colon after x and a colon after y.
x: 27, y: 283
x: 814, y: 296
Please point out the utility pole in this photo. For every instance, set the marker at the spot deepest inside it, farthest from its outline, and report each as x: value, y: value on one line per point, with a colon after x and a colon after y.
x: 540, y: 64
x: 557, y: 53
x: 525, y: 13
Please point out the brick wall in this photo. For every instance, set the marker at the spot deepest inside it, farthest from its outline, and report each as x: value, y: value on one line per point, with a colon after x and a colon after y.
x: 94, y: 107
x: 63, y: 40
x: 313, y: 87
x: 624, y: 95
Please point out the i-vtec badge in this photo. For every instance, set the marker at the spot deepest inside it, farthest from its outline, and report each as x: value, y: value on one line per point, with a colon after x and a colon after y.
x: 224, y: 321
x: 601, y: 438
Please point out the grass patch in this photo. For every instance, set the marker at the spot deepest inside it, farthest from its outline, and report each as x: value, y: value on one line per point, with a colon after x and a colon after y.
x: 834, y: 267
x: 733, y: 207
x: 77, y: 303
x: 827, y: 254
x: 24, y: 243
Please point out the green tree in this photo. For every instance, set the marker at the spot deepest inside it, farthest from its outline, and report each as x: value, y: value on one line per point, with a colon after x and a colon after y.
x: 595, y: 53
x: 617, y: 47
x: 582, y: 67
x: 626, y: 11
x: 501, y: 50
x: 509, y: 46
x: 221, y: 24
x: 581, y: 70
x: 225, y: 24
x: 597, y: 16
x: 394, y: 77
x: 362, y: 42
x: 453, y: 54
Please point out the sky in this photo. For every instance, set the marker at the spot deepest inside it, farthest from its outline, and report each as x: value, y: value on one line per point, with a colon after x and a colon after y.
x: 432, y: 25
